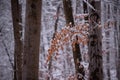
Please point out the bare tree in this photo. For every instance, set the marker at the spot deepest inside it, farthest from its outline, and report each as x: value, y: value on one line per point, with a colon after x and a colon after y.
x: 95, y: 44
x: 17, y: 19
x: 118, y: 63
x: 32, y: 40
x: 68, y: 11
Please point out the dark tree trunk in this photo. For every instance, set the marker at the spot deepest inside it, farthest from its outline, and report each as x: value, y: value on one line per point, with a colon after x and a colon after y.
x: 77, y: 59
x: 17, y: 19
x: 68, y: 11
x: 95, y: 44
x: 118, y: 64
x: 118, y: 57
x: 32, y: 40
x: 108, y: 67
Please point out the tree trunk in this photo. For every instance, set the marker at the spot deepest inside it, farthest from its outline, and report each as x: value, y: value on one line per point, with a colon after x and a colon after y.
x: 118, y: 29
x: 108, y: 66
x: 68, y: 11
x: 118, y: 63
x: 95, y: 45
x: 32, y: 40
x: 17, y: 19
x: 75, y: 47
x: 77, y: 59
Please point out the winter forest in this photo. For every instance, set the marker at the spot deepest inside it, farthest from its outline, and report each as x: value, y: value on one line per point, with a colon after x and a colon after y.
x: 59, y: 39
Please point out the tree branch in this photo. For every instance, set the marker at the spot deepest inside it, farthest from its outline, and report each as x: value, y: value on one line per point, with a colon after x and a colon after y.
x: 8, y: 54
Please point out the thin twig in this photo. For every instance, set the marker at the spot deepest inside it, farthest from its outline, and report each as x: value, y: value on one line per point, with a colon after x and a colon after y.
x: 89, y: 5
x: 8, y: 54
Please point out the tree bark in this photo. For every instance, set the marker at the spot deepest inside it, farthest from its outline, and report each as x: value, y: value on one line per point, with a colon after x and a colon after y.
x: 118, y: 63
x: 95, y: 45
x: 32, y: 40
x: 17, y: 20
x: 68, y: 11
x: 77, y: 59
x: 108, y: 66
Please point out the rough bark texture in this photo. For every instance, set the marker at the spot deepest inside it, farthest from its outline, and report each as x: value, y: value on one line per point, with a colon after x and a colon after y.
x: 68, y: 11
x: 17, y: 19
x: 32, y: 40
x: 95, y: 45
x: 95, y: 55
x: 77, y: 59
